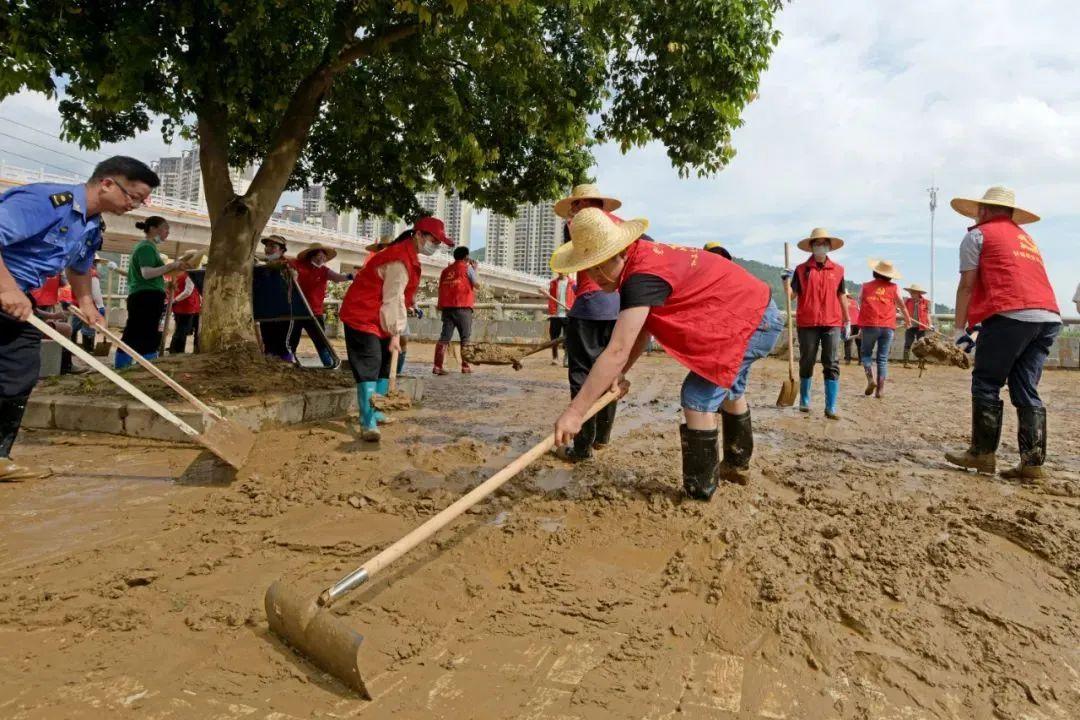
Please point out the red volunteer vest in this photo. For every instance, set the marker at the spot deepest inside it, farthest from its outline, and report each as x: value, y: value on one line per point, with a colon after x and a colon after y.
x: 361, y: 305
x: 853, y: 311
x: 878, y: 307
x: 455, y: 290
x: 714, y: 307
x: 1011, y: 274
x: 312, y: 281
x: 585, y: 285
x: 819, y: 294
x: 48, y: 294
x: 192, y: 304
x: 64, y: 295
x: 924, y: 312
x: 553, y: 291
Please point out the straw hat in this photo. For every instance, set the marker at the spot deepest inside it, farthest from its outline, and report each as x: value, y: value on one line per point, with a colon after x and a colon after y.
x: 835, y: 243
x: 585, y: 192
x: 307, y: 252
x: 276, y: 239
x: 192, y: 258
x: 595, y: 238
x: 884, y: 267
x: 380, y: 244
x: 916, y: 288
x: 997, y: 195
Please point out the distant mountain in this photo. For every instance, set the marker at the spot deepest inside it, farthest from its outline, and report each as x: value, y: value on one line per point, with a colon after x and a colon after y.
x: 479, y: 254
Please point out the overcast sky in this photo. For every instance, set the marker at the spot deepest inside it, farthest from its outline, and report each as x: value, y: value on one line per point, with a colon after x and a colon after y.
x: 864, y: 105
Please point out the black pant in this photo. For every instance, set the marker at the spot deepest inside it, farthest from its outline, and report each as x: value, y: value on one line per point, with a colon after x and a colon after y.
x: 20, y: 363
x: 459, y: 319
x: 828, y: 338
x: 1011, y: 351
x: 910, y: 336
x: 142, y: 331
x: 186, y: 324
x: 556, y: 327
x: 309, y: 326
x: 585, y: 340
x: 369, y: 355
x: 275, y: 336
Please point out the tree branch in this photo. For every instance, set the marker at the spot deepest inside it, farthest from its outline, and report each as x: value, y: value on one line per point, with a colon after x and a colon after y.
x: 214, y: 157
x: 371, y: 45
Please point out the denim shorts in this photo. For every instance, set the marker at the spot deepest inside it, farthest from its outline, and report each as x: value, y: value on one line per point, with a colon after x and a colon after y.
x: 703, y: 395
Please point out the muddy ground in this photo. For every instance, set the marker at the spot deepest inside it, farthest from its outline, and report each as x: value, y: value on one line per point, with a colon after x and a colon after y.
x: 857, y: 576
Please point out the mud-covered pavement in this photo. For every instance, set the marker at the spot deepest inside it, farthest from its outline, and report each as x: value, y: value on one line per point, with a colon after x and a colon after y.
x: 855, y: 577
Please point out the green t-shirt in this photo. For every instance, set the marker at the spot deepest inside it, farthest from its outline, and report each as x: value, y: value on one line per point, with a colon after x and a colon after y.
x: 145, y: 255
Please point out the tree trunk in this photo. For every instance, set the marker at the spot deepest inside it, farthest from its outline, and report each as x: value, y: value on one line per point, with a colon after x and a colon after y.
x: 227, y: 324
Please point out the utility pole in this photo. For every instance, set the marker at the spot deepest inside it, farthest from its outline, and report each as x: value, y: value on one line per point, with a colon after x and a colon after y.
x: 933, y: 206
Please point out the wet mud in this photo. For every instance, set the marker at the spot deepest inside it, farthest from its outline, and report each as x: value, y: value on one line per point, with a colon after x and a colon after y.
x: 856, y: 576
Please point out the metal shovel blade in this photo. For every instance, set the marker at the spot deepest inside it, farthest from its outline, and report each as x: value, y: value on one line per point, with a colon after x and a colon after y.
x: 228, y: 440
x: 787, y: 394
x: 317, y: 634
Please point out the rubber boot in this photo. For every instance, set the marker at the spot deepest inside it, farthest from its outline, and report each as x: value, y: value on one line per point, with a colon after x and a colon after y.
x: 871, y: 384
x: 11, y: 414
x: 879, y: 389
x: 369, y: 427
x: 154, y: 356
x: 122, y: 360
x: 581, y: 449
x: 465, y: 367
x: 605, y: 421
x: 738, y: 439
x: 804, y: 394
x: 401, y: 362
x: 906, y: 354
x: 985, y: 436
x: 700, y: 461
x: 832, y: 392
x: 326, y: 358
x: 382, y: 387
x: 1031, y: 437
x: 440, y: 358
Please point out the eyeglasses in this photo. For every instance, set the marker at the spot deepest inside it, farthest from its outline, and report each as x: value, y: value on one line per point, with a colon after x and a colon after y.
x: 135, y: 199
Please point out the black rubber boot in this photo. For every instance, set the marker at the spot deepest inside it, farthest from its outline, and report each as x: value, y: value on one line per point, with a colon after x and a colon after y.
x: 583, y: 442
x: 1031, y: 437
x: 605, y: 420
x: 985, y: 436
x: 700, y: 459
x: 738, y: 439
x: 11, y: 415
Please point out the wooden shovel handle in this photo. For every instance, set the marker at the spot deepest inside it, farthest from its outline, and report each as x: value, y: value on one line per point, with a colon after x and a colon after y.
x: 111, y: 375
x: 552, y: 297
x: 790, y: 320
x: 538, y: 348
x: 393, y: 370
x: 151, y: 368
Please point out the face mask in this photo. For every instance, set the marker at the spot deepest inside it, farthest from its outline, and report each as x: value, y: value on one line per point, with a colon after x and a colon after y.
x: 820, y: 252
x: 428, y: 248
x: 318, y: 263
x: 273, y: 255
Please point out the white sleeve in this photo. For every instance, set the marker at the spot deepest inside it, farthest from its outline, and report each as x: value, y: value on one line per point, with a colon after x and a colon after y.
x: 392, y: 314
x: 95, y: 291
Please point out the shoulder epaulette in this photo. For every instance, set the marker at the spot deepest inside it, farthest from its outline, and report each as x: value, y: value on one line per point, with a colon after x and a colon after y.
x: 63, y: 198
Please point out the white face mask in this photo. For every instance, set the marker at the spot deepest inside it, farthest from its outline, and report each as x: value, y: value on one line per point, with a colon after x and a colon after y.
x: 273, y: 255
x: 820, y: 251
x: 428, y: 248
x: 318, y: 263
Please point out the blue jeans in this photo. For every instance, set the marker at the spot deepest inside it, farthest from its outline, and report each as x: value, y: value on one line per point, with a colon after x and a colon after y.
x: 1011, y: 351
x: 703, y: 395
x: 882, y: 338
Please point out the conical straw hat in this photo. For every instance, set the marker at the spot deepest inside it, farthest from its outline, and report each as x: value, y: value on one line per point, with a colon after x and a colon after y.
x: 916, y: 288
x: 835, y: 243
x: 595, y: 238
x: 331, y: 253
x: 884, y: 267
x: 585, y: 192
x: 997, y: 195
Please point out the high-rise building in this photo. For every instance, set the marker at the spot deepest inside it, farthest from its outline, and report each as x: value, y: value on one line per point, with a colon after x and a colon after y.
x: 182, y: 177
x: 499, y: 240
x: 458, y: 219
x: 526, y: 242
x: 168, y: 170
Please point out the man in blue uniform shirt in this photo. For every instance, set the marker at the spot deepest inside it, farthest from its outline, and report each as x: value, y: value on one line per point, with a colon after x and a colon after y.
x: 46, y: 228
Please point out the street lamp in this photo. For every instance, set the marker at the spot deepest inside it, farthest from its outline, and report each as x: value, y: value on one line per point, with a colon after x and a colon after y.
x: 933, y: 206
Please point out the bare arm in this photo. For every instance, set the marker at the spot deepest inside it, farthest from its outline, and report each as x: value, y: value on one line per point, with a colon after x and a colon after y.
x: 82, y: 290
x: 13, y: 301
x: 151, y: 273
x: 963, y: 297
x: 903, y: 310
x: 335, y: 276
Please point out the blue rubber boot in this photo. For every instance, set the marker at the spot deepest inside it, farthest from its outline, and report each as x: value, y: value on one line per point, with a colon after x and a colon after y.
x: 832, y: 391
x: 400, y: 363
x: 150, y: 356
x: 122, y: 360
x: 326, y: 358
x: 369, y: 428
x: 804, y: 394
x: 382, y: 387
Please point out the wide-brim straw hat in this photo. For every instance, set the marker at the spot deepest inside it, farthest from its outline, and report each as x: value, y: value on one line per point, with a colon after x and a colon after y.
x: 916, y: 288
x: 586, y: 192
x: 307, y: 252
x: 884, y: 267
x: 192, y: 258
x: 595, y: 237
x: 380, y: 244
x: 835, y: 243
x: 997, y: 195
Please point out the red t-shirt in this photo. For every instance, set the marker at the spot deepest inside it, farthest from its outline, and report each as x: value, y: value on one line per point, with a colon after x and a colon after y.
x: 312, y: 281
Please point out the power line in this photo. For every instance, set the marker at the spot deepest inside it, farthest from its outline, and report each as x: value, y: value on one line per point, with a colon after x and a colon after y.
x: 47, y: 149
x: 46, y: 134
x: 69, y: 171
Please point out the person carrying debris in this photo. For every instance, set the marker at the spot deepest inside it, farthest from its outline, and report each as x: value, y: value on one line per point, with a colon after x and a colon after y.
x: 373, y: 312
x: 708, y: 313
x: 457, y: 295
x: 589, y: 325
x: 851, y: 343
x: 46, y: 228
x: 313, y: 275
x: 821, y: 316
x: 1004, y: 287
x: 918, y: 308
x: 879, y: 302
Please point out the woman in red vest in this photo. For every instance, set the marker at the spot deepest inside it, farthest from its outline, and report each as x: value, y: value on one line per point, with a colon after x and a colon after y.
x: 1004, y: 287
x: 822, y: 316
x: 708, y: 313
x: 313, y: 275
x: 918, y: 309
x: 560, y: 297
x: 186, y: 306
x: 457, y: 283
x: 374, y: 313
x: 851, y: 345
x: 877, y: 323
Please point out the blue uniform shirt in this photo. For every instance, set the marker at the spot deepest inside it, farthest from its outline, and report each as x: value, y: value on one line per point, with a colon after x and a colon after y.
x: 44, y: 229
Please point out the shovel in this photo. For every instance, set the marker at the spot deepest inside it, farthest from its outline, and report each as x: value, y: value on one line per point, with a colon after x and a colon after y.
x: 393, y: 399
x: 787, y: 390
x: 307, y: 624
x: 227, y: 440
x: 493, y: 354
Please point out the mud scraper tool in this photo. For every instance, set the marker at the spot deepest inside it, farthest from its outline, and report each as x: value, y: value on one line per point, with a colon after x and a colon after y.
x: 227, y: 440
x: 308, y: 625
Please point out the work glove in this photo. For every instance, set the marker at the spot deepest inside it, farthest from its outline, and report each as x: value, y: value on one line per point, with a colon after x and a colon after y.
x: 350, y: 277
x: 965, y: 341
x: 845, y: 332
x: 785, y: 275
x: 418, y: 313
